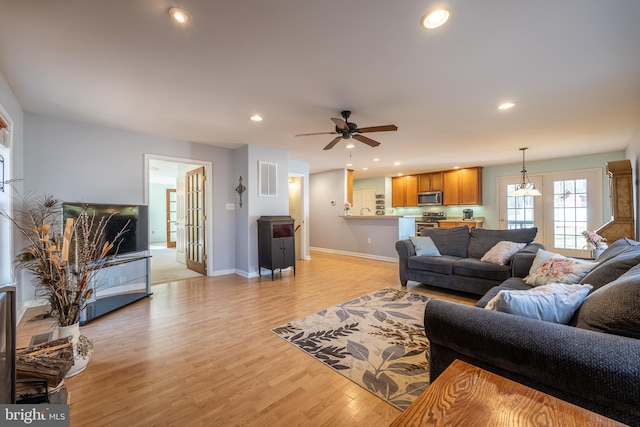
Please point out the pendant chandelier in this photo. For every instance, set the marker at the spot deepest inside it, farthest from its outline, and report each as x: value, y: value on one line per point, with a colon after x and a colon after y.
x: 526, y: 187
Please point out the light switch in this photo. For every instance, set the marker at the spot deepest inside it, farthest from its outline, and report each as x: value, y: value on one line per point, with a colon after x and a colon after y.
x: 231, y: 206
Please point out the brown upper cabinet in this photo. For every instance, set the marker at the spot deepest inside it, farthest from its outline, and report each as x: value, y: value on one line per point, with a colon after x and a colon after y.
x: 462, y: 187
x: 430, y: 182
x: 404, y: 191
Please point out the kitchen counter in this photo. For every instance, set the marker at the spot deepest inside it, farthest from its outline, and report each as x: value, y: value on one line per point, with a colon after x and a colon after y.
x: 459, y: 222
x: 372, y: 216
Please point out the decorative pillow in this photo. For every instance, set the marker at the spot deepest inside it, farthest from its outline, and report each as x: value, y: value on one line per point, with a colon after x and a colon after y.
x: 614, y: 308
x: 542, y: 256
x: 559, y: 269
x: 425, y: 246
x: 555, y: 302
x: 502, y: 252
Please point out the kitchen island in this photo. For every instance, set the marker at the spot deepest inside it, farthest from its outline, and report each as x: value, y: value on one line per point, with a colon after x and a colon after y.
x: 374, y: 236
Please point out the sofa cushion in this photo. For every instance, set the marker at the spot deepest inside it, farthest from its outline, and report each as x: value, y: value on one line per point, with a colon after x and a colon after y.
x: 482, y: 239
x: 614, y: 308
x: 609, y: 268
x: 435, y: 264
x: 502, y: 252
x: 449, y: 241
x: 618, y: 247
x: 559, y: 269
x: 472, y: 267
x: 555, y: 302
x: 424, y: 246
x: 510, y: 283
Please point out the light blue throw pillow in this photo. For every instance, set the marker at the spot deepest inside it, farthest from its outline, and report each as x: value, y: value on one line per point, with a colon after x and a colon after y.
x: 555, y: 302
x: 425, y: 246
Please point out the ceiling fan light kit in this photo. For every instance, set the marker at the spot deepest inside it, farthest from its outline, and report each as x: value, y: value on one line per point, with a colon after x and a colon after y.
x: 348, y: 130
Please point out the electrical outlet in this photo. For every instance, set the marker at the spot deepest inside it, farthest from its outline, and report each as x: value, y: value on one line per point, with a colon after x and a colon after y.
x: 369, y: 240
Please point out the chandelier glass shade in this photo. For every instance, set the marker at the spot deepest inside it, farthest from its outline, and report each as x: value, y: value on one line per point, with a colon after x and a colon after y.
x: 526, y: 187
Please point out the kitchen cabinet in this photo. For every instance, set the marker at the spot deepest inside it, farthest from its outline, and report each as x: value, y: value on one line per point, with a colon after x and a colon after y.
x: 462, y: 187
x: 276, y: 244
x: 430, y: 182
x: 453, y: 224
x: 404, y: 191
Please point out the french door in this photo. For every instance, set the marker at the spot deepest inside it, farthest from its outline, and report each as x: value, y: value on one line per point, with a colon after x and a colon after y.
x: 195, y: 220
x: 571, y: 202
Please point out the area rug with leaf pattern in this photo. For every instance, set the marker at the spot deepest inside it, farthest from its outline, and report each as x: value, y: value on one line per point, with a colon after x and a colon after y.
x: 376, y: 341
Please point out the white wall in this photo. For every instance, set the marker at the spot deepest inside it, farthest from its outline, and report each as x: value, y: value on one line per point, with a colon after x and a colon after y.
x: 157, y: 212
x: 13, y: 167
x: 325, y: 224
x: 83, y: 162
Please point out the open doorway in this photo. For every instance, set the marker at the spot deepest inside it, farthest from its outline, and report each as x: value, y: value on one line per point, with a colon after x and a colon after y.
x: 296, y: 211
x: 168, y: 197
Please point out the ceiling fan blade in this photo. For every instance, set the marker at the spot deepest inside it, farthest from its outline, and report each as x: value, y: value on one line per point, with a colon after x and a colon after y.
x: 317, y: 133
x: 332, y: 143
x: 370, y: 142
x: 340, y: 123
x: 377, y: 129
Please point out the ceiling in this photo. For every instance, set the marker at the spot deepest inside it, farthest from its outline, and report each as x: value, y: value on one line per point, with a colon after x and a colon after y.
x: 572, y: 67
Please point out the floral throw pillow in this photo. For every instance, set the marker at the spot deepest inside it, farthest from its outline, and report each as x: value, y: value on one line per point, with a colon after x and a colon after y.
x: 502, y: 252
x: 560, y: 269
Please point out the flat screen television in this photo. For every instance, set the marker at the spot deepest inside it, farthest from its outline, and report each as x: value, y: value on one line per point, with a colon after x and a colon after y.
x: 136, y: 239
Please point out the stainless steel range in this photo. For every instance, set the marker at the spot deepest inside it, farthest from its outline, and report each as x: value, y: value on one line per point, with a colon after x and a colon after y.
x: 429, y: 219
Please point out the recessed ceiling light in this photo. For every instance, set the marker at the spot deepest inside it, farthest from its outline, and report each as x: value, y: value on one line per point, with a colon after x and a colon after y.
x: 506, y: 105
x: 435, y: 18
x: 179, y: 15
x: 365, y: 169
x: 349, y: 164
x: 456, y: 167
x: 350, y: 146
x: 396, y: 163
x: 256, y: 118
x: 399, y: 173
x: 376, y: 160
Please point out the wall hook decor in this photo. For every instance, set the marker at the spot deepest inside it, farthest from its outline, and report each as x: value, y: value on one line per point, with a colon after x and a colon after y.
x: 240, y: 189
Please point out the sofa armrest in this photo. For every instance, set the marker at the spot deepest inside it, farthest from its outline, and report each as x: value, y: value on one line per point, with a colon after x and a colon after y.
x: 405, y: 250
x: 574, y: 364
x: 521, y: 261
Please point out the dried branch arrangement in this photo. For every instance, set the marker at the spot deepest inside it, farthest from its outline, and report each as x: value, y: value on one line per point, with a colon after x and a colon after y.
x: 65, y: 260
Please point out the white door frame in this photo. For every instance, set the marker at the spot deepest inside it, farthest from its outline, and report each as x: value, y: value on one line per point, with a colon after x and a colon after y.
x: 208, y: 170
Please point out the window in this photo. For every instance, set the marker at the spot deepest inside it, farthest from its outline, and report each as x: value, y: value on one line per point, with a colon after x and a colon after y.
x: 520, y: 210
x: 569, y: 213
x: 571, y: 202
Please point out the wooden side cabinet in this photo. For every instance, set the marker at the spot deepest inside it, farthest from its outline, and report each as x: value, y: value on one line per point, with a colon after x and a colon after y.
x: 276, y: 243
x: 462, y: 187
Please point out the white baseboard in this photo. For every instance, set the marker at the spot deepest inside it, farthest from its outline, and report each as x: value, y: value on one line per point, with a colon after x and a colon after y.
x: 355, y: 254
x: 27, y: 305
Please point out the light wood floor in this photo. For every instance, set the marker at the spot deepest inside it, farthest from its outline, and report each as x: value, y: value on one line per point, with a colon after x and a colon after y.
x: 199, y: 352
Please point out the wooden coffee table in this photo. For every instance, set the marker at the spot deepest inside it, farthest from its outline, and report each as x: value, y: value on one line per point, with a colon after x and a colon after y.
x: 465, y: 395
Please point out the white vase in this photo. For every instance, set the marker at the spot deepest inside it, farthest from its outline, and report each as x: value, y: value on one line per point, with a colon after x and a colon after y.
x: 79, y: 362
x: 595, y: 253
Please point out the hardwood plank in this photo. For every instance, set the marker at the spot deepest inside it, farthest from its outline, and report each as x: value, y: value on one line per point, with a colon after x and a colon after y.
x: 200, y: 352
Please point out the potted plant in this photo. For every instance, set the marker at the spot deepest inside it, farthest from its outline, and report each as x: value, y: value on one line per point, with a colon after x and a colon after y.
x: 64, y: 260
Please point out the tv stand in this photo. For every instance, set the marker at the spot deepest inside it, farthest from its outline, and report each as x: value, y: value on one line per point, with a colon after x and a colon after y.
x: 121, y: 281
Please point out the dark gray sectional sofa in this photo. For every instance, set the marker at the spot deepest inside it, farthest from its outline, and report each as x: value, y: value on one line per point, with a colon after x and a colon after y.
x: 593, y: 362
x: 459, y: 266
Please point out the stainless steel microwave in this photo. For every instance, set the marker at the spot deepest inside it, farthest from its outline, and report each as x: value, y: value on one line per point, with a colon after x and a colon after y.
x: 430, y: 198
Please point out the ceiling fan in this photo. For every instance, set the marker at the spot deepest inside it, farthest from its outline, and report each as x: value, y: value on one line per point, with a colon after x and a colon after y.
x: 348, y: 130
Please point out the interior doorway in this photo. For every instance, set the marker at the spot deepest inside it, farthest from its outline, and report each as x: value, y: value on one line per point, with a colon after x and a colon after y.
x: 167, y: 197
